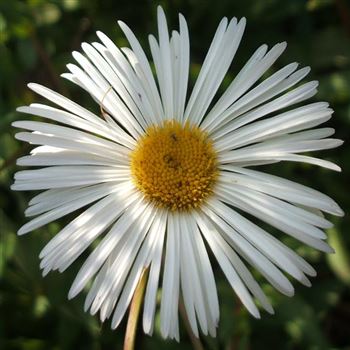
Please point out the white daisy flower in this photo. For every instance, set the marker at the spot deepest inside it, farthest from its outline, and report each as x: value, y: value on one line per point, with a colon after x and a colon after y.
x: 160, y: 176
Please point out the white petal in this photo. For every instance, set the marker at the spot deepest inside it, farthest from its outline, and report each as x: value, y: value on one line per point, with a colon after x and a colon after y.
x: 124, y: 196
x: 65, y: 196
x: 244, y: 273
x: 246, y: 103
x: 217, y: 40
x: 258, y: 193
x: 189, y: 277
x: 135, y: 274
x: 244, y: 80
x: 65, y: 157
x: 207, y: 275
x: 279, y: 148
x: 181, y: 69
x: 100, y: 254
x: 275, y: 213
x: 72, y: 144
x: 63, y: 210
x: 132, y: 82
x: 105, y: 96
x: 147, y: 76
x: 299, y: 94
x: 119, y: 268
x: 252, y: 255
x: 152, y: 286
x: 65, y: 103
x: 264, y: 243
x: 170, y: 286
x: 166, y: 83
x: 67, y: 176
x: 209, y: 232
x: 214, y: 68
x: 206, y: 315
x: 288, y: 122
x: 98, y: 218
x: 311, y: 160
x: 296, y: 229
x: 55, y: 114
x: 115, y: 82
x: 284, y: 189
x: 69, y: 133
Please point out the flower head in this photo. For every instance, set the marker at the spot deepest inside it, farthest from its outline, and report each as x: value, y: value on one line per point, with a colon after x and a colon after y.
x: 160, y: 176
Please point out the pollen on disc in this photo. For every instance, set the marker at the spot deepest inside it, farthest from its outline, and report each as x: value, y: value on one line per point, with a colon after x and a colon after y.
x: 175, y: 165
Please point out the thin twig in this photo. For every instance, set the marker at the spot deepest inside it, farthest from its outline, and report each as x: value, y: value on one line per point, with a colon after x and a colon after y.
x: 104, y: 114
x: 344, y: 14
x: 84, y: 26
x: 46, y: 61
x: 134, y: 313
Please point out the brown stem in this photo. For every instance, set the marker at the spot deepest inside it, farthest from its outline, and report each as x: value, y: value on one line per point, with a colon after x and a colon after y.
x: 235, y: 340
x: 196, y: 343
x: 134, y: 313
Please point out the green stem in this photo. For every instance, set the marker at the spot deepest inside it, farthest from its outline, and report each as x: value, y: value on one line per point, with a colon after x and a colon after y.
x: 134, y: 313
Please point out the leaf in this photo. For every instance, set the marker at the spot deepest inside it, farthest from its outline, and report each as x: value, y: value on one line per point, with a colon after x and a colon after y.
x: 339, y: 262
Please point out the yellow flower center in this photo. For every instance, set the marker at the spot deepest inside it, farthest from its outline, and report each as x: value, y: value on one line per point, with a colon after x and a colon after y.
x: 175, y: 165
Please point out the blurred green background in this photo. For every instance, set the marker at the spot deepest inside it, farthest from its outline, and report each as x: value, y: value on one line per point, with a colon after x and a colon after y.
x: 36, y: 39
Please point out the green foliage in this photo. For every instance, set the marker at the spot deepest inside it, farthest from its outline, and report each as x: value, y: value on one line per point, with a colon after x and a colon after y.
x: 36, y: 39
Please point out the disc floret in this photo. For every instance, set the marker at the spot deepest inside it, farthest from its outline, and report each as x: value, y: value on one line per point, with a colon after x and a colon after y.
x: 175, y: 165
